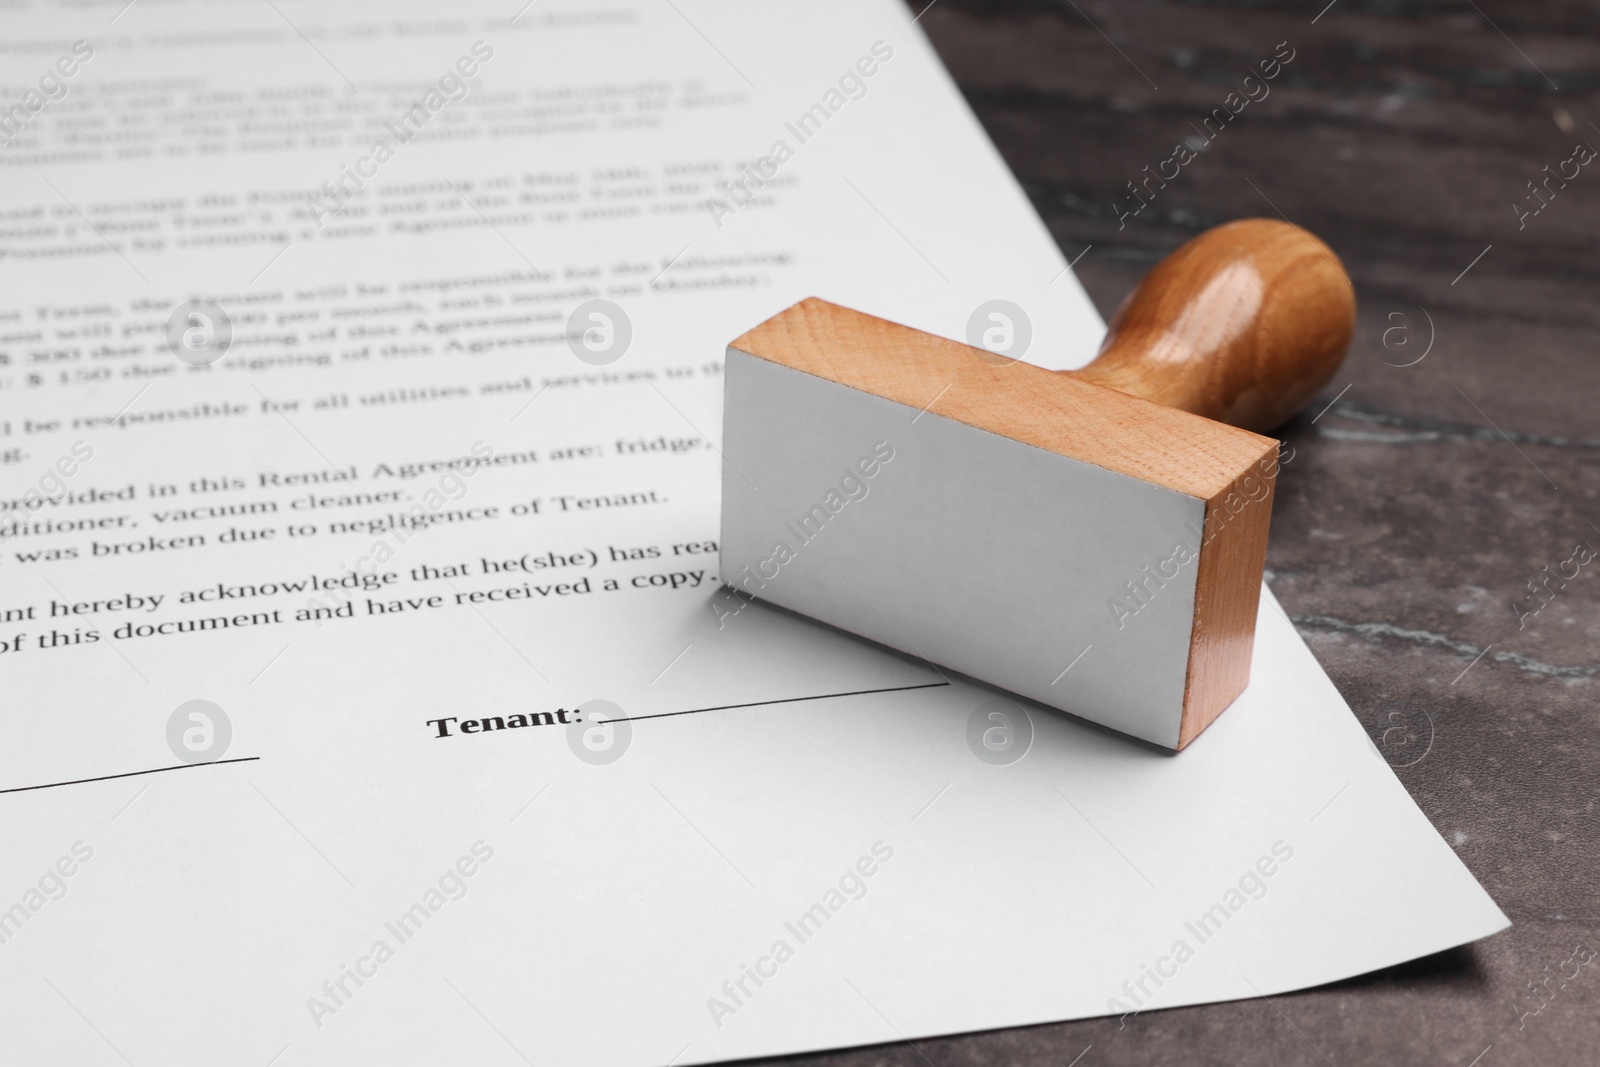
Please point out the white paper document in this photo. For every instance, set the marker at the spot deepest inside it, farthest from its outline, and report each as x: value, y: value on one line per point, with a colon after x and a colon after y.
x: 360, y: 402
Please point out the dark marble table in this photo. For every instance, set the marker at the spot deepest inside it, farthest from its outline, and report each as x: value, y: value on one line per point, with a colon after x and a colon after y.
x: 1457, y: 461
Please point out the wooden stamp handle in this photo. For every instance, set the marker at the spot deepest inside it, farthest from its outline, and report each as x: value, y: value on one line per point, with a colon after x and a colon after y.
x: 1243, y: 324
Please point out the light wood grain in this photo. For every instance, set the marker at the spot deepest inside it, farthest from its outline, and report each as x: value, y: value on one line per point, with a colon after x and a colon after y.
x: 1047, y: 409
x: 1227, y: 595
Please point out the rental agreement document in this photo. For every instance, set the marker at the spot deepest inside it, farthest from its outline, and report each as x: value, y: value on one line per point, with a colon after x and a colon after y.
x: 370, y: 690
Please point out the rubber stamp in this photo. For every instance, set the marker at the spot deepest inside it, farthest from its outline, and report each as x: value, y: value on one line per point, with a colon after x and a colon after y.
x: 1092, y: 540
